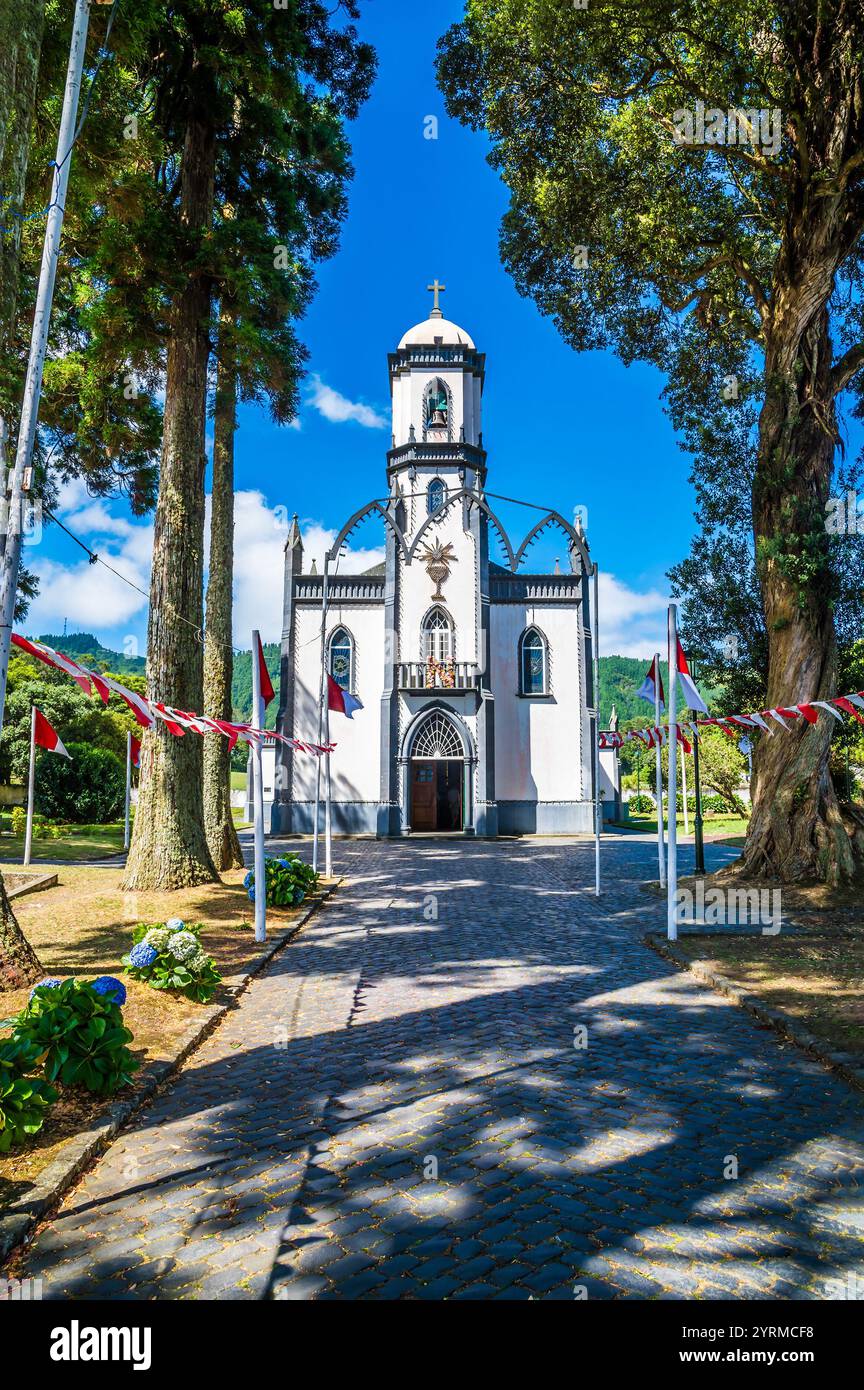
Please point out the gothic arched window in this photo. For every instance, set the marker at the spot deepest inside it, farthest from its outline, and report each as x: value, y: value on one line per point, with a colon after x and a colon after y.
x: 533, y: 663
x: 341, y: 662
x: 435, y: 494
x: 437, y: 635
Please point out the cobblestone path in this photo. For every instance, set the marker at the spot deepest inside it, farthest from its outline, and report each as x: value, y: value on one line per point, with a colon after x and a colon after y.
x: 397, y: 1109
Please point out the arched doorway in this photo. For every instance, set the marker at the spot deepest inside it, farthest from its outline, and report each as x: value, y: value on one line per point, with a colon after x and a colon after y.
x: 438, y: 776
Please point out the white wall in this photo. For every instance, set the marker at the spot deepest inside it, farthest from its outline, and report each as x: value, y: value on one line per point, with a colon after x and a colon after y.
x: 539, y: 743
x: 408, y: 391
x: 356, y: 763
x: 459, y: 590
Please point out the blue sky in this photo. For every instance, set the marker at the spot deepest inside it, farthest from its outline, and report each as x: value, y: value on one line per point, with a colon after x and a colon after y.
x: 562, y: 429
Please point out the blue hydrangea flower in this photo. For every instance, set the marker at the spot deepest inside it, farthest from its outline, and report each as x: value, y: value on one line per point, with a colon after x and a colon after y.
x: 142, y: 955
x: 51, y: 983
x: 115, y: 990
x: 252, y: 893
x: 248, y: 880
x: 175, y: 924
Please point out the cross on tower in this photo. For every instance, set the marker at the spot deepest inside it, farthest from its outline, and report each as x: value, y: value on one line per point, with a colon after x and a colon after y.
x: 435, y: 287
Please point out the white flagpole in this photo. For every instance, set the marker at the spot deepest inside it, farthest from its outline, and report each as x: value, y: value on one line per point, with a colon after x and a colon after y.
x: 128, y: 788
x: 11, y: 559
x: 328, y: 813
x: 31, y: 785
x: 321, y: 694
x: 658, y: 752
x: 671, y: 696
x: 595, y: 657
x: 258, y: 796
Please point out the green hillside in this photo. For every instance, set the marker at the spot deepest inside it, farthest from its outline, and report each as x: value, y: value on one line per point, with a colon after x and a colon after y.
x: 620, y: 678
x: 241, y: 686
x: 87, y: 649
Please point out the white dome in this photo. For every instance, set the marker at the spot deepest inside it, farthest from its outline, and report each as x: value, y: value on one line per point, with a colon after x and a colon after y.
x: 425, y: 333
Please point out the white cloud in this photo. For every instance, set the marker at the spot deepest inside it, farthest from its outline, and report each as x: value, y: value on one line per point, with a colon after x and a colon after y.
x: 337, y: 408
x: 631, y: 623
x: 259, y: 541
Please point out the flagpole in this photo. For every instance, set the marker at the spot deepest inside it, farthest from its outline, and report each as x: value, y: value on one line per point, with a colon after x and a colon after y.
x: 321, y: 691
x: 595, y: 658
x: 31, y: 785
x: 11, y: 559
x: 328, y: 813
x: 684, y: 790
x: 128, y: 788
x: 671, y: 696
x: 658, y: 759
x: 258, y: 795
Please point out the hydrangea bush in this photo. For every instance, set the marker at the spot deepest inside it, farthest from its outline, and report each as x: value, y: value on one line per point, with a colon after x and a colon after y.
x: 24, y: 1098
x: 169, y: 955
x: 288, y: 881
x: 78, y: 1028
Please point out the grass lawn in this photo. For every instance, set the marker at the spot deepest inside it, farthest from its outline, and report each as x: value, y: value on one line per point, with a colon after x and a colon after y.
x: 818, y: 981
x: 83, y: 927
x: 238, y: 781
x: 727, y: 828
x: 85, y: 842
x: 816, y: 977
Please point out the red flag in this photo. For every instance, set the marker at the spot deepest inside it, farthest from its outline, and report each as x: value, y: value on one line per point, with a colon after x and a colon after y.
x: 267, y: 691
x: 135, y: 751
x: 46, y: 737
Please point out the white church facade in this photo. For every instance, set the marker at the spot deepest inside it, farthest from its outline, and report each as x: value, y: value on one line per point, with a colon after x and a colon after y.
x: 475, y: 676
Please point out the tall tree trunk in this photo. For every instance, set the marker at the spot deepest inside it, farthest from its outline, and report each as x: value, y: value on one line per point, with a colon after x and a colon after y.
x: 169, y: 847
x: 218, y: 654
x: 796, y: 832
x: 21, y: 29
x: 19, y: 964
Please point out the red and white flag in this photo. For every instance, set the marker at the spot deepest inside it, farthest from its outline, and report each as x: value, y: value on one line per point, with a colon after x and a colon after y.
x: 267, y: 691
x: 648, y: 687
x: 692, y: 698
x: 135, y: 751
x: 47, y: 737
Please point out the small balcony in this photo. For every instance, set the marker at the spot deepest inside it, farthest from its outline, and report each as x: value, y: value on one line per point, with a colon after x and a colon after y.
x: 437, y: 675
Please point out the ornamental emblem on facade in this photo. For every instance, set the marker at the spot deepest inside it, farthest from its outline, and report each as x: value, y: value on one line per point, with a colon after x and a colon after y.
x: 438, y: 558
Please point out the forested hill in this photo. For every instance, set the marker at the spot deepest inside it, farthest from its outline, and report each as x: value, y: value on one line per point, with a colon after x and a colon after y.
x: 241, y: 685
x: 620, y: 676
x: 87, y: 649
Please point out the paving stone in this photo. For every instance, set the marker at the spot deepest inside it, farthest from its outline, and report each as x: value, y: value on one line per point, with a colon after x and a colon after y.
x: 300, y: 1172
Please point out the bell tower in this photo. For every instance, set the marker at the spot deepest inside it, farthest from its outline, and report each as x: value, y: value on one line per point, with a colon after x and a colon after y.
x: 436, y: 388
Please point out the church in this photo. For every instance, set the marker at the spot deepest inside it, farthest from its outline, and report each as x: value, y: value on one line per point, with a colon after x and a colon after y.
x: 475, y: 675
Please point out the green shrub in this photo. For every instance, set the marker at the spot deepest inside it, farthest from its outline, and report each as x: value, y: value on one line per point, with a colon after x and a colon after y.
x: 640, y: 806
x: 82, y: 1034
x: 92, y: 787
x: 288, y: 881
x: 19, y: 820
x: 169, y: 955
x: 24, y: 1098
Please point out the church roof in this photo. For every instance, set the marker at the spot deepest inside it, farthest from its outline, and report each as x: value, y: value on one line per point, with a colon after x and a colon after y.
x: 375, y: 570
x: 436, y: 327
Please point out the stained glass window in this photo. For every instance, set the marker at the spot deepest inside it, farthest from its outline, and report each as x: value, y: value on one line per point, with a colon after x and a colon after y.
x: 435, y: 496
x: 533, y: 663
x: 342, y: 658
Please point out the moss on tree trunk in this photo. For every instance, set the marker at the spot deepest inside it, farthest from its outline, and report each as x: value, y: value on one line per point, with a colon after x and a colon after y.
x: 796, y: 832
x: 218, y: 653
x: 19, y: 964
x: 169, y: 846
